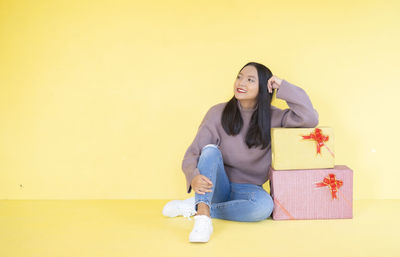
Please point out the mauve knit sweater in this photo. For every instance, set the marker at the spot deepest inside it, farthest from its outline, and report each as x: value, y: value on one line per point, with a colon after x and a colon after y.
x: 244, y: 165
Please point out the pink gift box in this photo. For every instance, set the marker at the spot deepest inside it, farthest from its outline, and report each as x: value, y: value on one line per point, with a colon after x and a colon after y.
x: 310, y: 193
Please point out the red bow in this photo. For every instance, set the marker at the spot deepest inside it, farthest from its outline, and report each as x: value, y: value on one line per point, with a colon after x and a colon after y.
x: 332, y: 183
x: 320, y: 139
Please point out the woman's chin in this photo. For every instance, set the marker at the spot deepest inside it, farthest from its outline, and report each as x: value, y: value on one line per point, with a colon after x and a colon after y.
x: 240, y: 97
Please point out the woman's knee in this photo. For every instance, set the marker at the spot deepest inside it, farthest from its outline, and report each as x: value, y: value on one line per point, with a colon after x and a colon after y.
x: 210, y: 146
x: 210, y: 151
x: 265, y: 206
x: 210, y: 159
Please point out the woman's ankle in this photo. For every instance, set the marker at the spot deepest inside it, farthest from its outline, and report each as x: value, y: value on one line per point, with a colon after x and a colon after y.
x: 203, y: 209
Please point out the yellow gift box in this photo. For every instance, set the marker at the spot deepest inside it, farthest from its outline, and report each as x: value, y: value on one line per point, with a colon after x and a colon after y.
x: 302, y: 148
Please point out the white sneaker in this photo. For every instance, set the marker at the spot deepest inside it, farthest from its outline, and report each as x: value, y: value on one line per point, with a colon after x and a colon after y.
x: 180, y: 207
x: 202, y: 229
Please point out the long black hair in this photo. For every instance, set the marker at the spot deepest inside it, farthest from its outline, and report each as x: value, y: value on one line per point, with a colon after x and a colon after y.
x: 259, y: 132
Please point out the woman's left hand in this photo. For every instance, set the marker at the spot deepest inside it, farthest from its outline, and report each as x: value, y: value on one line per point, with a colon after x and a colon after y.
x: 273, y: 82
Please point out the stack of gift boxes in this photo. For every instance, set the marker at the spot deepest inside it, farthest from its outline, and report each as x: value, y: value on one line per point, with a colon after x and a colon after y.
x: 305, y: 183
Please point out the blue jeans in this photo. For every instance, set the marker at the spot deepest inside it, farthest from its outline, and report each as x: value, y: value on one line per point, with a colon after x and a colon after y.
x: 229, y: 200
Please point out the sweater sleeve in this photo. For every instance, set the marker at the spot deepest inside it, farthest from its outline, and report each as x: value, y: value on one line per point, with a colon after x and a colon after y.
x: 300, y: 114
x: 206, y: 134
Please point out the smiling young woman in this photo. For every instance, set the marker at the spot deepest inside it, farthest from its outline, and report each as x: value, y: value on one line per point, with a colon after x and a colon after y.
x: 228, y: 160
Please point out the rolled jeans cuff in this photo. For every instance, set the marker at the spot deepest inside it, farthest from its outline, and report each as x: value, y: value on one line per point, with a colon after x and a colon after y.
x: 202, y: 201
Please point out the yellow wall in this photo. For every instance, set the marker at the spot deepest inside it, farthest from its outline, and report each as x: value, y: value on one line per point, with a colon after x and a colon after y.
x: 101, y: 99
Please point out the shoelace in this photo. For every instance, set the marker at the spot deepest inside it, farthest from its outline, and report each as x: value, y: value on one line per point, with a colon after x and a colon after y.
x: 200, y: 225
x: 188, y: 212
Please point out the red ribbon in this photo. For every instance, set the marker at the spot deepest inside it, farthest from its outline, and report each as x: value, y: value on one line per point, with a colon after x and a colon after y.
x: 332, y: 183
x: 319, y: 138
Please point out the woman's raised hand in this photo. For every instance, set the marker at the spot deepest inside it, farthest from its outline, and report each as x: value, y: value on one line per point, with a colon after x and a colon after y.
x: 273, y: 82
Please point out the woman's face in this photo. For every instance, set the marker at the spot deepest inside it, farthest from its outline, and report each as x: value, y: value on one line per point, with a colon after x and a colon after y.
x: 246, y: 84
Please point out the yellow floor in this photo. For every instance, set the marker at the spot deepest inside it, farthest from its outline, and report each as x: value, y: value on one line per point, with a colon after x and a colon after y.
x: 137, y: 228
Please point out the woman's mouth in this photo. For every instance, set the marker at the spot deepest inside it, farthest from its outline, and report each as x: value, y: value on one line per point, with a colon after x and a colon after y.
x: 241, y: 90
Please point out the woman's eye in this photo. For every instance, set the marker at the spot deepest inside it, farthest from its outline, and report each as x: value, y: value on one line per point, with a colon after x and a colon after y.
x: 238, y: 77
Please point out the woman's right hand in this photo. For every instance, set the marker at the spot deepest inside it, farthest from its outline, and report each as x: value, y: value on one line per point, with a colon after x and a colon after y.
x: 201, y: 184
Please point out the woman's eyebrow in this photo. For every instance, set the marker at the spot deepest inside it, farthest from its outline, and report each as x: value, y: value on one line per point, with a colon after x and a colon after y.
x: 248, y: 75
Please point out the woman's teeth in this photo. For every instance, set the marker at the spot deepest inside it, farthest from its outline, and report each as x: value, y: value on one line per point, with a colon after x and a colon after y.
x: 241, y: 90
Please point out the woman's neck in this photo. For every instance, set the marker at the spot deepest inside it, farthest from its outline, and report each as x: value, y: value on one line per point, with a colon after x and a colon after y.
x: 247, y: 105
